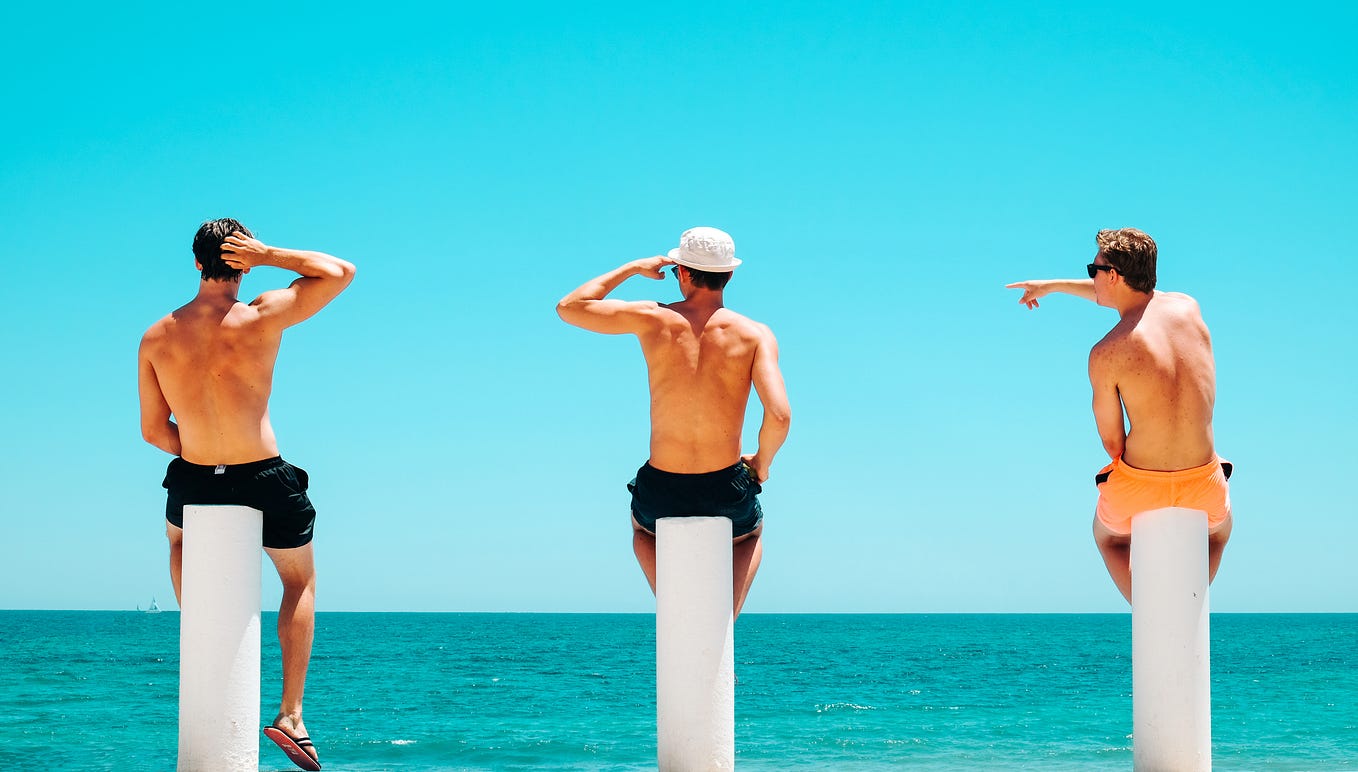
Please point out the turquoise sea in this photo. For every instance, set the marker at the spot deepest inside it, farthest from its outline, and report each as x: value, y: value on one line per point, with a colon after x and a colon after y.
x: 391, y: 691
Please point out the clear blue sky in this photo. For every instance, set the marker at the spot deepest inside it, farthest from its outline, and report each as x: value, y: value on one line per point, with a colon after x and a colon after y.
x: 885, y: 169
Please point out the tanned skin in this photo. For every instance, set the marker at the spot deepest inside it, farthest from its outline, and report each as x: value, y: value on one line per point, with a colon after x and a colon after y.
x: 702, y: 359
x: 205, y: 373
x: 1156, y: 369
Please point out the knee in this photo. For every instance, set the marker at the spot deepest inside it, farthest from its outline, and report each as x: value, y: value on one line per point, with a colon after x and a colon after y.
x: 298, y: 584
x: 301, y: 583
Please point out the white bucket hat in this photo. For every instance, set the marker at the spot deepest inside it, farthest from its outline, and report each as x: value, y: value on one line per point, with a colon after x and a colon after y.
x: 706, y: 249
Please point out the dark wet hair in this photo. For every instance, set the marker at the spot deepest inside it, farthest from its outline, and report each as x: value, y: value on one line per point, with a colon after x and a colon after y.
x: 1132, y: 253
x: 207, y: 248
x: 713, y: 280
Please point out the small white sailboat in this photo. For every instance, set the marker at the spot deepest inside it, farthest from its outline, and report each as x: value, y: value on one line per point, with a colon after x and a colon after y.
x: 154, y: 608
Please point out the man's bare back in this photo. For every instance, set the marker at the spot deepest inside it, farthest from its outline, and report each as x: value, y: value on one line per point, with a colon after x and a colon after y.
x: 1158, y: 361
x: 700, y: 362
x: 213, y: 359
x: 210, y: 363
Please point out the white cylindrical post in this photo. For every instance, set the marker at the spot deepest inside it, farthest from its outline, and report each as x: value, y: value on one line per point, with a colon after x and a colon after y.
x: 694, y: 645
x: 1171, y: 662
x: 219, y: 640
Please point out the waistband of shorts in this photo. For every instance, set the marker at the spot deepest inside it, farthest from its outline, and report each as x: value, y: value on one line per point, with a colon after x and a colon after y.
x: 1206, y: 470
x: 723, y: 473
x: 250, y: 467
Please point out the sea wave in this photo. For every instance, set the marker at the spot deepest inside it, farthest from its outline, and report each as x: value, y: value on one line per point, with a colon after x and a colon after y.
x: 835, y: 707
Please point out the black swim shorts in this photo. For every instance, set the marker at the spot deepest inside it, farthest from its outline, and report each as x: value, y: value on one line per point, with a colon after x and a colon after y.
x: 731, y: 492
x: 273, y: 486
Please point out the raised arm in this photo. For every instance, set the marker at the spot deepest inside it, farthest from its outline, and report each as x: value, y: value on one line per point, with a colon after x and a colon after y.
x: 1034, y: 289
x: 588, y: 306
x: 156, y: 426
x: 768, y: 384
x: 323, y: 277
x: 1108, y: 416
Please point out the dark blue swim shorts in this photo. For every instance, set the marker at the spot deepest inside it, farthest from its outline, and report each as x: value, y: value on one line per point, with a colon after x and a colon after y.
x: 731, y: 492
x: 273, y: 486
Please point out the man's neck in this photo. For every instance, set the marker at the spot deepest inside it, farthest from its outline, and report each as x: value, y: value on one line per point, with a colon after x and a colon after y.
x: 704, y: 298
x: 215, y: 291
x: 1133, y: 303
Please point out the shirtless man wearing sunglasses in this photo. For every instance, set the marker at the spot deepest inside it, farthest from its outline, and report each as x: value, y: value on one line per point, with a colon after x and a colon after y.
x: 1155, y: 367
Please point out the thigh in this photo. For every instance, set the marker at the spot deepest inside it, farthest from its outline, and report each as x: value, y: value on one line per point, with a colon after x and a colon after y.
x: 647, y: 527
x: 1104, y: 536
x: 1221, y: 532
x: 296, y: 565
x: 755, y: 534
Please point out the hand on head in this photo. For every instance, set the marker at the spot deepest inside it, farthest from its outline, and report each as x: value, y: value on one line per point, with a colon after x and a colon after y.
x: 652, y: 267
x: 242, y: 252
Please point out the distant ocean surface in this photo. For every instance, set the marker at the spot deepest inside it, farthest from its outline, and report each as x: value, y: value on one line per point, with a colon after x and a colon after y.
x: 393, y: 691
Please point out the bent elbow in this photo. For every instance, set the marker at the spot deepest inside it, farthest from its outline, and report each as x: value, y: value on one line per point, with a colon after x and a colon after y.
x: 781, y: 416
x: 346, y: 271
x: 564, y: 309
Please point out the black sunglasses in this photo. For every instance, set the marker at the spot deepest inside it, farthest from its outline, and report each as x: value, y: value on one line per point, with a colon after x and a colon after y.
x: 1094, y: 268
x: 674, y: 270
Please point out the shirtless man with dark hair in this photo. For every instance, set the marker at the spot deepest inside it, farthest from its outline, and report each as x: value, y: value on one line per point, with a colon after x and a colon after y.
x: 702, y: 358
x: 210, y: 364
x: 1155, y: 364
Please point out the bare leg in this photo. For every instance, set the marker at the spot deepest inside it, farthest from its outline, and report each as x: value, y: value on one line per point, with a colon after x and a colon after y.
x: 746, y: 552
x: 176, y: 536
x: 1117, y: 553
x: 1117, y: 556
x: 296, y: 626
x: 1216, y: 544
x: 643, y: 544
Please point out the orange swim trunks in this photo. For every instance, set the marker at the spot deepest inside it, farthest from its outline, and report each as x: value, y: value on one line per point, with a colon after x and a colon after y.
x: 1125, y: 491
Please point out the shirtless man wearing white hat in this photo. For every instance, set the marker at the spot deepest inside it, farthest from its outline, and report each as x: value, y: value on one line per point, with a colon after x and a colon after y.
x: 702, y: 358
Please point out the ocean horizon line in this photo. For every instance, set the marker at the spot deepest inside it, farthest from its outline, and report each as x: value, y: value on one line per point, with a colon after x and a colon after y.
x: 743, y: 613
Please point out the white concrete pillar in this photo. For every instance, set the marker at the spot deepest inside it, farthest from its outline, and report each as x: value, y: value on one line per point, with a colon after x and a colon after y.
x: 1171, y: 660
x: 694, y: 645
x: 219, y: 640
